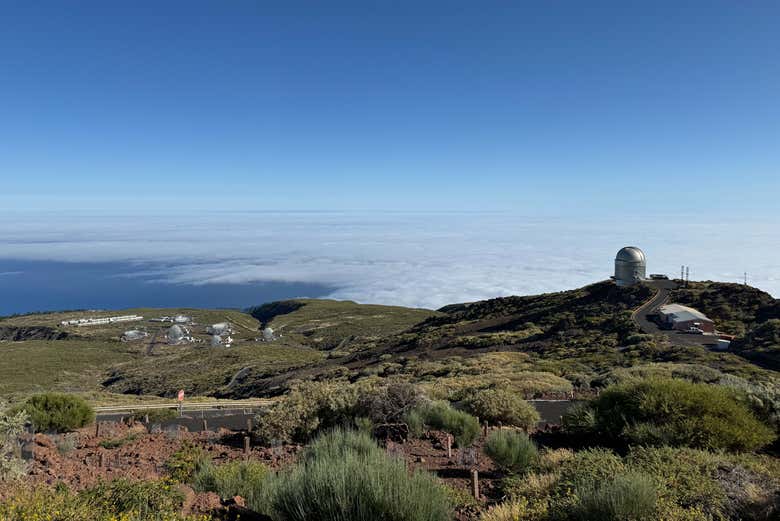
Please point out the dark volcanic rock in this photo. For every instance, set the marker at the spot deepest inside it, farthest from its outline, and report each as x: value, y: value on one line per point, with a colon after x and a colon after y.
x: 17, y: 334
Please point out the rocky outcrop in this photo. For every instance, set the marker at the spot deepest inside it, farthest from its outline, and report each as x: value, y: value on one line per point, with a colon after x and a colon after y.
x: 17, y: 334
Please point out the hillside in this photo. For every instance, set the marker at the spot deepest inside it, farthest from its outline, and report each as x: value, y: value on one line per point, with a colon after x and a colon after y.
x: 541, y: 345
x: 750, y: 314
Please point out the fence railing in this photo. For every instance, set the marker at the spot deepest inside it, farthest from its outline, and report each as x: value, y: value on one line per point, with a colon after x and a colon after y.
x: 244, y: 404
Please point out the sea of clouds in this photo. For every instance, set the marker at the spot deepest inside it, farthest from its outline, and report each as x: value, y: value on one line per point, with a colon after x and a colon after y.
x: 411, y: 259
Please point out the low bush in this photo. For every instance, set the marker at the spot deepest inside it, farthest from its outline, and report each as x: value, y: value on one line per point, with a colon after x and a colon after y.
x: 115, y: 443
x: 389, y: 403
x: 719, y: 485
x: 237, y: 478
x: 306, y: 409
x: 143, y: 497
x: 155, y: 415
x: 687, y: 477
x: 183, y: 463
x: 118, y: 500
x: 513, y: 451
x: 345, y: 476
x: 57, y: 412
x: 415, y: 421
x: 517, y: 510
x: 678, y: 413
x: 580, y: 418
x: 624, y: 497
x: 502, y: 405
x: 588, y: 466
x: 440, y: 415
x: 11, y: 427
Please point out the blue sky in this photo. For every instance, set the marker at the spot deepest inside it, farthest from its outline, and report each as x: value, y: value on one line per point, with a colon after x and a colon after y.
x: 544, y: 108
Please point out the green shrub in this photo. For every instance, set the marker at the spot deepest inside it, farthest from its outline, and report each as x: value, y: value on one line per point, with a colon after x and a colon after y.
x: 145, y: 498
x: 514, y: 451
x: 624, y: 497
x: 415, y: 421
x: 125, y: 501
x: 440, y: 415
x: 183, y: 463
x: 502, y: 405
x: 237, y: 478
x: 678, y: 413
x: 306, y: 409
x: 118, y: 442
x: 346, y: 476
x: 521, y: 509
x: 57, y: 412
x: 687, y: 477
x: 580, y: 418
x: 588, y: 466
x: 155, y: 415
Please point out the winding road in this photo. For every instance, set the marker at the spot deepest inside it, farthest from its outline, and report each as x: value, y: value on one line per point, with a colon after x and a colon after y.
x: 639, y: 316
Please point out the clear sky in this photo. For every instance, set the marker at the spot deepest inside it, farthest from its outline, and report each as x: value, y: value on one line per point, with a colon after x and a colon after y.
x: 540, y: 108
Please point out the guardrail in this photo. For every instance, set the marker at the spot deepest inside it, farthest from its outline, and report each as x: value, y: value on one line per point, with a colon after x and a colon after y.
x: 185, y: 406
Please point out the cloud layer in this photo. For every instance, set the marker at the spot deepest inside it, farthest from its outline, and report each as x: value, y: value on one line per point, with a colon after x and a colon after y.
x: 408, y: 259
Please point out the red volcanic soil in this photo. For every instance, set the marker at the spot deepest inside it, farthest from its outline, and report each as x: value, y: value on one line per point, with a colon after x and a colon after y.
x: 81, y: 462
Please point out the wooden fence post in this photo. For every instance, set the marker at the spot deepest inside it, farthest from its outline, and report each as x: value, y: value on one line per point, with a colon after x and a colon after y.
x: 475, y: 483
x: 97, y: 429
x: 449, y: 446
x: 246, y: 446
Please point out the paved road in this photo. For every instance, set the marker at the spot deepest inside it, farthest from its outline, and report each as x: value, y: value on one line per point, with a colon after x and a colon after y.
x: 663, y: 289
x: 550, y: 411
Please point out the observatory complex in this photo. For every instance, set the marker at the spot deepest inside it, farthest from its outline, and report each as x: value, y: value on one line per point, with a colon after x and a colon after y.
x: 630, y: 266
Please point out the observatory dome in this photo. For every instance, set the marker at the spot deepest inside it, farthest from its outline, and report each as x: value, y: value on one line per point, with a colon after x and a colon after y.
x: 177, y: 334
x: 630, y: 266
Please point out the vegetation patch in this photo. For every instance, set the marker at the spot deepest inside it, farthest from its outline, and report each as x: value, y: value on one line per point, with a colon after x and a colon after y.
x: 442, y: 416
x: 502, y: 406
x: 513, y: 451
x: 57, y: 412
x: 345, y: 475
x: 679, y: 413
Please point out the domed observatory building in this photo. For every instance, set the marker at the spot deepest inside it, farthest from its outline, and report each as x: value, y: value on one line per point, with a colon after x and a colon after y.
x: 630, y: 266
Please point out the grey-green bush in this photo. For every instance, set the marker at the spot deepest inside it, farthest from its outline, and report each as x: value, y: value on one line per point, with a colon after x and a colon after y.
x: 512, y: 450
x: 11, y: 427
x: 502, y: 405
x: 236, y: 478
x: 345, y: 476
x: 631, y: 496
x: 440, y: 415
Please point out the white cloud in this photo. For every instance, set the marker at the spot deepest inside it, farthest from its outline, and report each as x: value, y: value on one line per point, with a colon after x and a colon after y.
x: 397, y: 258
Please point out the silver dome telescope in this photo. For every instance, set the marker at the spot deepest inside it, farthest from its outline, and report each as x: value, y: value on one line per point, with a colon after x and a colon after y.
x: 630, y: 266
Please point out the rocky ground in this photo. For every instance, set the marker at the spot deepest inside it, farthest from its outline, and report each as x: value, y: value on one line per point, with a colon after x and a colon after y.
x: 78, y: 459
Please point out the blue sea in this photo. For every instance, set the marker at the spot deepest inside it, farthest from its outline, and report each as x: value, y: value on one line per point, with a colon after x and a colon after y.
x: 29, y: 286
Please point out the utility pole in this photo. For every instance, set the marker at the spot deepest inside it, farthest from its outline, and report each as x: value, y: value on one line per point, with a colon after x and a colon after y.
x: 687, y: 275
x: 746, y: 278
x: 682, y: 273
